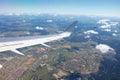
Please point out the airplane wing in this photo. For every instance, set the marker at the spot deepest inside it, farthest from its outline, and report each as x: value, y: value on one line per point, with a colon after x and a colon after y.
x: 12, y: 44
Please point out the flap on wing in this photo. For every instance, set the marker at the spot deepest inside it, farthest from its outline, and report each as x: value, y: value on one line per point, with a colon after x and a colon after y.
x: 46, y: 45
x: 1, y: 66
x: 18, y: 52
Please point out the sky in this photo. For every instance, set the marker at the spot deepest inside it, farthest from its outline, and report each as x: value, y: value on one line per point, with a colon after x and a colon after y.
x: 77, y: 7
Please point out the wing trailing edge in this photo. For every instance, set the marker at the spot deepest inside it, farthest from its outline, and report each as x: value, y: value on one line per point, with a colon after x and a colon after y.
x: 46, y: 45
x: 17, y: 52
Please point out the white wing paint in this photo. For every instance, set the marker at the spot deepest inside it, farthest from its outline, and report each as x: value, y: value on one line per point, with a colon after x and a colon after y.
x: 12, y: 44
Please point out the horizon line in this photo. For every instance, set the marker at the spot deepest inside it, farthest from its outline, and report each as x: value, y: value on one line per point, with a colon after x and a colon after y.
x: 56, y: 14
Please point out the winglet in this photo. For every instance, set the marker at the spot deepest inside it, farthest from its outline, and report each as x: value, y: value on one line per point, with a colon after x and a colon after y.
x: 18, y: 52
x: 72, y: 26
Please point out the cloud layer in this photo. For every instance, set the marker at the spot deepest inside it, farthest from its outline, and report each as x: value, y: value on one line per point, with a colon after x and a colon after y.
x: 107, y: 23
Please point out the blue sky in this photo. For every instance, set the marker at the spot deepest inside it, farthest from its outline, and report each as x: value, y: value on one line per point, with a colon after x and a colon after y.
x: 77, y: 7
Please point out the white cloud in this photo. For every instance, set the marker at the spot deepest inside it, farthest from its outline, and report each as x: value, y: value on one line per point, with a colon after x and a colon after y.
x: 114, y: 23
x: 39, y: 28
x: 103, y: 21
x: 49, y: 20
x: 105, y: 26
x: 104, y: 48
x: 90, y: 32
x: 107, y: 23
x: 114, y: 34
x: 28, y: 33
x: 87, y: 33
x: 1, y: 66
x: 116, y: 31
x: 108, y: 30
x: 88, y: 36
